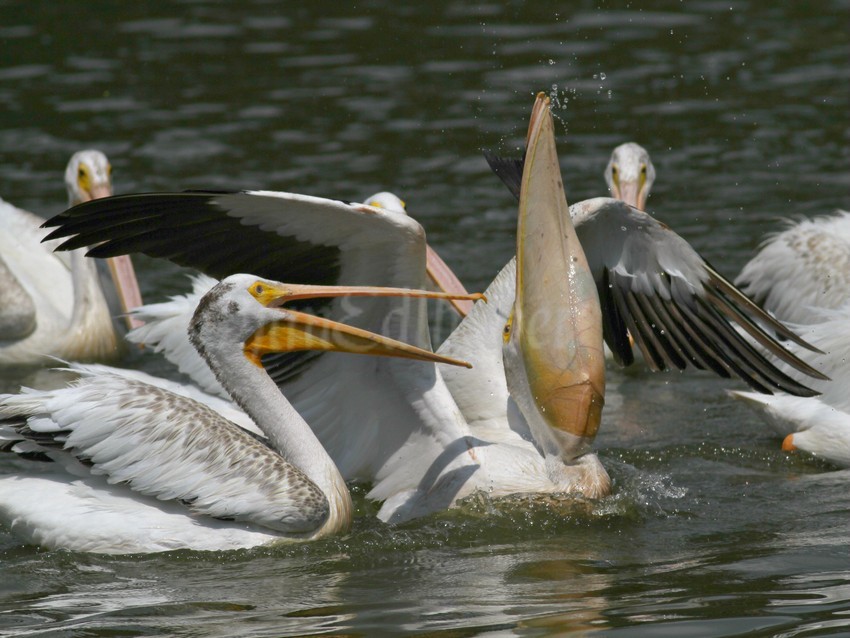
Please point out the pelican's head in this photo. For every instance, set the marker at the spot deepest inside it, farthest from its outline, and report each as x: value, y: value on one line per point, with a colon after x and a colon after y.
x: 88, y: 176
x: 388, y: 201
x: 630, y: 174
x: 554, y: 362
x: 249, y: 311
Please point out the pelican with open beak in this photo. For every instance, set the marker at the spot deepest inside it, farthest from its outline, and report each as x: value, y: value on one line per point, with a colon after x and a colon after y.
x: 139, y: 466
x: 554, y: 360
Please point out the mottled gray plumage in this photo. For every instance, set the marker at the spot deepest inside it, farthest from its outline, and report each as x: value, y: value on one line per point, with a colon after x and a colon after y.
x: 184, y: 475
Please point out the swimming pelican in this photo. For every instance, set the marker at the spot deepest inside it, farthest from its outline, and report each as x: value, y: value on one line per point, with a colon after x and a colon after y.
x: 438, y: 435
x: 819, y: 425
x: 802, y: 269
x: 53, y: 304
x: 630, y: 174
x: 143, y: 469
x: 802, y: 275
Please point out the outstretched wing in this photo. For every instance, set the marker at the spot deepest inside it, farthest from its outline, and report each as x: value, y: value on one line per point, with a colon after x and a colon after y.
x: 360, y: 407
x: 280, y: 236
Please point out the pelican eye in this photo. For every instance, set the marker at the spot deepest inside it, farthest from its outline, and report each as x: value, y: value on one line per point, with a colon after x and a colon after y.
x: 506, y: 331
x: 83, y: 178
x: 109, y: 169
x: 258, y: 290
x: 267, y: 295
x: 643, y: 169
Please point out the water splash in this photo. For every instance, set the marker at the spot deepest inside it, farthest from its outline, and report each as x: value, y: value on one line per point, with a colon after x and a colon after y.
x: 560, y: 98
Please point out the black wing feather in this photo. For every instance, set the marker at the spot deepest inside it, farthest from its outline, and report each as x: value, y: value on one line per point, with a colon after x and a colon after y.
x: 191, y: 230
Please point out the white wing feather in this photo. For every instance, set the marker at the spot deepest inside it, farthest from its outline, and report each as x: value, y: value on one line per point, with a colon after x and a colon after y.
x: 481, y: 392
x: 52, y: 511
x: 802, y: 268
x: 171, y: 447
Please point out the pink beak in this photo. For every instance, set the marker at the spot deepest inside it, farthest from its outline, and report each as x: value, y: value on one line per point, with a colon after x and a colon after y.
x: 447, y: 281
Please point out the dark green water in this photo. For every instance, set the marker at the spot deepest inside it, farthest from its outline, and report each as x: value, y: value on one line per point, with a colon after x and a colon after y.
x: 711, y: 531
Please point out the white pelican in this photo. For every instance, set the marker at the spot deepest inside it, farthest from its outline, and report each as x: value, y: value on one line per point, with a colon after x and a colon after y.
x: 143, y: 469
x: 532, y: 410
x: 630, y: 174
x: 802, y: 269
x: 438, y: 436
x: 802, y: 275
x: 819, y: 425
x: 53, y: 304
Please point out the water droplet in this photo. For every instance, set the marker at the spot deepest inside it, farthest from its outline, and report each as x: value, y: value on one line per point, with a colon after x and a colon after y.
x: 602, y: 76
x: 551, y: 61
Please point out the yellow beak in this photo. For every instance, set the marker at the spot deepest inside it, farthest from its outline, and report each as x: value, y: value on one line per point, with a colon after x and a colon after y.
x: 301, y: 331
x: 557, y: 320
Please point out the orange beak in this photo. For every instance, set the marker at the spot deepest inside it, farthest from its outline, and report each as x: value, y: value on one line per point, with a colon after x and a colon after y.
x: 301, y: 331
